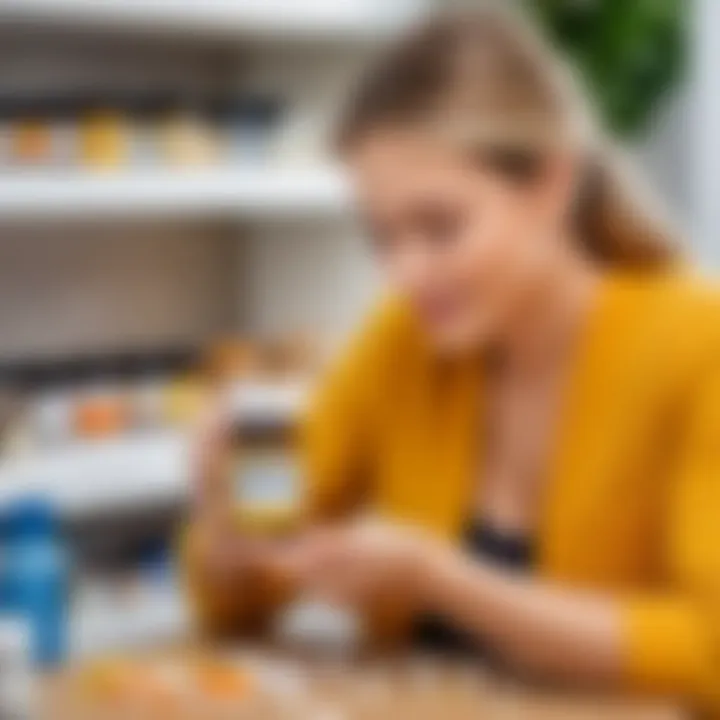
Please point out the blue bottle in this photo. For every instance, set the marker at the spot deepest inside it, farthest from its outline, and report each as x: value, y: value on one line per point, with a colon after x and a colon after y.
x: 3, y: 544
x: 36, y: 578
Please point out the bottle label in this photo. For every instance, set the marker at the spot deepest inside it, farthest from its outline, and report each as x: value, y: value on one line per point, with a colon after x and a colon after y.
x: 267, y: 481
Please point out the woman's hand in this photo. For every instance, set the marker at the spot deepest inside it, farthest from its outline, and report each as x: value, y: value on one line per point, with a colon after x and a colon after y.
x: 210, y: 457
x: 210, y: 501
x: 357, y: 562
x: 227, y: 556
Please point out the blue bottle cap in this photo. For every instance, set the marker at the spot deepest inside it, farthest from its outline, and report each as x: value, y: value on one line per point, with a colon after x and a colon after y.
x: 30, y: 517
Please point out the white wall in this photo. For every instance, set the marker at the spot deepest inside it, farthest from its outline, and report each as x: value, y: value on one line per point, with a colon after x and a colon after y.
x: 704, y: 148
x: 665, y: 157
x: 316, y: 277
x: 90, y: 289
x: 313, y: 276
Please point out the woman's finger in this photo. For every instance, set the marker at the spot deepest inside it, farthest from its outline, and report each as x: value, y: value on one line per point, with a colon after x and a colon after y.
x: 314, y: 553
x: 210, y: 455
x: 328, y: 565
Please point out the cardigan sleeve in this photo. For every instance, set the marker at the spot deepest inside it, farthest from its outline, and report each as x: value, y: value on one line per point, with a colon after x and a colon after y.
x: 673, y: 641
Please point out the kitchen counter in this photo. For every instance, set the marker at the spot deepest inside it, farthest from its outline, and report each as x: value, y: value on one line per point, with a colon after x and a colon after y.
x: 416, y: 688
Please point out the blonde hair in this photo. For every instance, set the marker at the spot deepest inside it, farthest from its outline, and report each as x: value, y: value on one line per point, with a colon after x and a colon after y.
x: 488, y: 82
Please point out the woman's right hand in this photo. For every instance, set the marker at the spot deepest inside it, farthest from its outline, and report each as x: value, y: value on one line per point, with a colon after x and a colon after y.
x: 229, y: 577
x: 226, y: 555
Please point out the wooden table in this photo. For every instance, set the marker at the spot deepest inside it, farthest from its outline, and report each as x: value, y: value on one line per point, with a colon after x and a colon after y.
x: 413, y: 688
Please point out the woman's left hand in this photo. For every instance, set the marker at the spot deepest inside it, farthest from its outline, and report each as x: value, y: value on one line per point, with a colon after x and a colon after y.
x: 357, y: 562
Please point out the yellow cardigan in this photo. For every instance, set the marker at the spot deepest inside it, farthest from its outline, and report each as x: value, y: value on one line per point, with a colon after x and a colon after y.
x: 632, y: 502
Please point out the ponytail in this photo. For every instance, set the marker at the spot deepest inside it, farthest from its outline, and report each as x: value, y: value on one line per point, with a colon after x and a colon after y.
x: 617, y: 224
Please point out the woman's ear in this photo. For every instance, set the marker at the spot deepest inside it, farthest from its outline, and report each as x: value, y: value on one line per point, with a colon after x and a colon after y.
x: 556, y: 190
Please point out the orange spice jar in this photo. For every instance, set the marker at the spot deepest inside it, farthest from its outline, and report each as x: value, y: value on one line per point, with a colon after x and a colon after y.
x: 30, y: 133
x: 101, y: 410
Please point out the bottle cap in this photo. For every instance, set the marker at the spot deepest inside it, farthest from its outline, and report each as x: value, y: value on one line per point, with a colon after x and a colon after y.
x: 30, y: 516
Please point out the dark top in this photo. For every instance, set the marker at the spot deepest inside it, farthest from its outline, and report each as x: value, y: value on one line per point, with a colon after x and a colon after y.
x: 483, y: 542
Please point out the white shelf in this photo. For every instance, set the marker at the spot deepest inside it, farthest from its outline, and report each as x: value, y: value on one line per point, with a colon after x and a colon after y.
x: 310, y: 20
x: 249, y: 193
x: 107, y: 476
x: 83, y: 479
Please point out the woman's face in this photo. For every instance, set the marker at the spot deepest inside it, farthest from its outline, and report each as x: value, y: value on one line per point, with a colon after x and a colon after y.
x: 467, y: 248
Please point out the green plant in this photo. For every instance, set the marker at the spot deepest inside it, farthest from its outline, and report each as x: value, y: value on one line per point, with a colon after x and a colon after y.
x: 629, y: 52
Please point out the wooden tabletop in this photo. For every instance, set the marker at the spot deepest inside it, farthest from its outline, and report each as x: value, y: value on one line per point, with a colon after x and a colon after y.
x: 414, y: 688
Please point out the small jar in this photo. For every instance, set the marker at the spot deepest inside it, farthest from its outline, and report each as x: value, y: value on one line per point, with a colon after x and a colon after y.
x: 187, y: 137
x: 101, y: 409
x: 31, y: 134
x: 104, y: 135
x: 265, y: 481
x: 168, y: 390
x: 145, y: 387
x: 146, y: 113
x: 185, y: 396
x: 64, y: 132
x: 228, y: 360
x: 53, y: 404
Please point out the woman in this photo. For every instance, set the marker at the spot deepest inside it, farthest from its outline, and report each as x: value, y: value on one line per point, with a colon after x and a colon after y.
x: 533, y: 418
